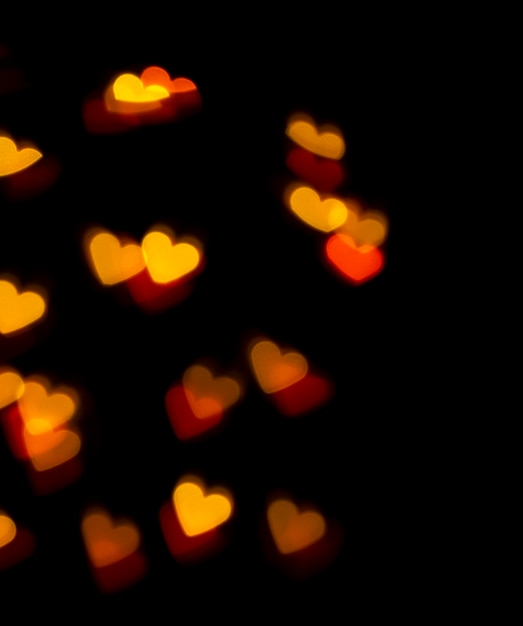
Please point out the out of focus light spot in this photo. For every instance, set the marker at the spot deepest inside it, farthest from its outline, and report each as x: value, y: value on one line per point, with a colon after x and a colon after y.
x: 327, y: 141
x: 355, y: 264
x: 158, y: 76
x: 274, y: 370
x: 7, y: 529
x: 55, y: 408
x: 11, y: 386
x: 107, y: 542
x: 291, y: 529
x: 198, y: 512
x: 208, y: 395
x: 181, y: 415
x: 325, y: 215
x: 129, y: 88
x: 13, y: 160
x: 113, y: 261
x: 52, y: 448
x: 18, y: 310
x: 323, y: 174
x: 369, y: 228
x: 167, y: 261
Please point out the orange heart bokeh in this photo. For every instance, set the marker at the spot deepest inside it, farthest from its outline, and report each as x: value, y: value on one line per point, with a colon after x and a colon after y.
x: 273, y: 370
x: 13, y: 160
x: 107, y: 542
x: 293, y: 530
x: 326, y: 142
x: 19, y: 309
x: 113, y: 260
x: 323, y: 214
x: 208, y: 395
x: 200, y: 510
x: 357, y: 265
x: 11, y: 386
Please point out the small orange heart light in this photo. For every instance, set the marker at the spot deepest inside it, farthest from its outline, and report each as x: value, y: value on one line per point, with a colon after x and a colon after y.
x: 16, y: 543
x: 353, y: 263
x: 323, y: 214
x: 326, y: 142
x: 291, y: 529
x: 273, y: 369
x: 207, y: 394
x: 365, y: 228
x: 19, y: 309
x: 200, y: 510
x: 112, y: 260
x: 7, y: 529
x: 38, y: 403
x: 167, y: 261
x: 14, y: 160
x: 11, y: 386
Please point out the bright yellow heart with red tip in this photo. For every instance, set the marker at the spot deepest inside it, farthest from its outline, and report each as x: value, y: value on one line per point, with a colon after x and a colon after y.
x: 13, y: 160
x: 326, y: 142
x: 291, y: 529
x: 167, y: 261
x: 130, y: 88
x: 7, y: 529
x: 273, y: 370
x: 107, y: 542
x: 198, y: 510
x: 112, y: 260
x: 18, y: 310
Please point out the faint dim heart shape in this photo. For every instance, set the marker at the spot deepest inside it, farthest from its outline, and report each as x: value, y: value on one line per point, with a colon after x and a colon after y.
x: 200, y: 510
x: 13, y: 160
x: 107, y: 542
x: 275, y: 370
x: 19, y: 310
x: 208, y: 395
x: 291, y: 529
x: 326, y: 142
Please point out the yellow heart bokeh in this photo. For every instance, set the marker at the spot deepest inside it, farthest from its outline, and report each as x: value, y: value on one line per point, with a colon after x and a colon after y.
x: 327, y: 142
x: 167, y: 261
x: 273, y: 370
x: 11, y: 386
x: 18, y: 310
x: 365, y: 228
x: 13, y: 160
x: 113, y: 261
x: 208, y: 394
x: 325, y: 215
x: 293, y: 530
x: 198, y: 512
x: 7, y: 529
x: 130, y: 88
x: 49, y: 448
x: 107, y: 542
x: 36, y: 403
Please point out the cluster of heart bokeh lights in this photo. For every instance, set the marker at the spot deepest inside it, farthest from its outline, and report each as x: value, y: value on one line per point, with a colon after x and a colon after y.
x: 39, y: 425
x: 158, y: 272
x: 353, y: 248
x: 39, y: 417
x: 131, y: 101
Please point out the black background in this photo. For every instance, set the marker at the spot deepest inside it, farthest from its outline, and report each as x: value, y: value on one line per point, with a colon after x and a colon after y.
x: 218, y: 175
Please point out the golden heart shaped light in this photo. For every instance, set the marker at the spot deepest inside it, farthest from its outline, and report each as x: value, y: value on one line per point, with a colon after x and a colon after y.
x: 199, y: 510
x: 54, y: 408
x: 291, y: 529
x: 325, y: 215
x: 167, y: 261
x: 107, y: 542
x: 365, y: 228
x: 207, y: 394
x: 130, y: 88
x: 11, y: 386
x: 7, y: 529
x: 113, y: 261
x: 18, y: 310
x: 275, y: 370
x: 13, y: 160
x: 327, y: 141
